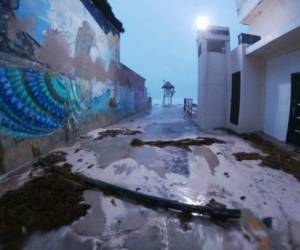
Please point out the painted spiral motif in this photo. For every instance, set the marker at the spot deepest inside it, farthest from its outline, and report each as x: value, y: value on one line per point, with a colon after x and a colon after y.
x: 33, y: 103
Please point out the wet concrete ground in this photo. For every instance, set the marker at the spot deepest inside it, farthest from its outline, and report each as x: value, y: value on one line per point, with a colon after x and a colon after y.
x: 190, y: 177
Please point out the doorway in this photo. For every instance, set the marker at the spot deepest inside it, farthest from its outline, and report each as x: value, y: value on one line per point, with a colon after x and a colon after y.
x: 235, y: 98
x: 293, y: 136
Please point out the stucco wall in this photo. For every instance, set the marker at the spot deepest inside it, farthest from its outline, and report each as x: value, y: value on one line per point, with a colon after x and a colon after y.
x: 215, y: 94
x: 212, y: 81
x: 252, y: 91
x: 212, y: 91
x: 60, y: 74
x: 278, y: 93
x: 236, y: 65
x: 252, y: 94
x: 275, y: 15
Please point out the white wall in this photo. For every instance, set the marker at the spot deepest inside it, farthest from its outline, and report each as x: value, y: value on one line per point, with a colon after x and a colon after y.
x: 246, y: 7
x: 212, y: 90
x: 275, y: 15
x: 252, y: 94
x: 215, y: 91
x: 213, y: 68
x: 202, y: 75
x: 278, y: 93
x: 236, y: 63
x: 252, y: 91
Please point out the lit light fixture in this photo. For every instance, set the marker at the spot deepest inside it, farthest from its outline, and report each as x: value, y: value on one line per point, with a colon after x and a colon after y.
x: 202, y: 23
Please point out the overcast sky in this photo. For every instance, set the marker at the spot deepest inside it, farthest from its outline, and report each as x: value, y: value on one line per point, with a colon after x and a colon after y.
x: 160, y: 38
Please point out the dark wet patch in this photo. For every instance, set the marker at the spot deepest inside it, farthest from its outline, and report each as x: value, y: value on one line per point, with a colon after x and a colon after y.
x: 184, y: 143
x: 226, y: 175
x: 185, y: 220
x: 116, y: 132
x: 42, y: 204
x: 276, y: 157
x: 268, y: 221
x: 35, y: 150
x: 243, y: 198
x: 171, y: 130
x: 77, y: 150
x: 113, y: 202
x: 179, y: 165
x: 83, y: 137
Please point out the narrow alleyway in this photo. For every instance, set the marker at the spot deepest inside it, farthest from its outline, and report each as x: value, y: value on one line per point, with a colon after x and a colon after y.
x: 193, y: 176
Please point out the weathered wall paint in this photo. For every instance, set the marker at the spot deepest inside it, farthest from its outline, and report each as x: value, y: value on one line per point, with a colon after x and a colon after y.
x: 60, y: 74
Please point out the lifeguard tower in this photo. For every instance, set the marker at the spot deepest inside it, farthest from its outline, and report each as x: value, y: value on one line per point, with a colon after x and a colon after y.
x: 169, y: 91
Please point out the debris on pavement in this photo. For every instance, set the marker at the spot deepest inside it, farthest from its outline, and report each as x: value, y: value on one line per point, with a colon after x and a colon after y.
x: 183, y: 143
x: 268, y: 221
x: 256, y: 230
x: 54, y: 157
x: 196, y: 176
x: 42, y: 204
x: 242, y: 156
x: 213, y: 209
x: 116, y: 132
x: 185, y: 220
x: 275, y: 157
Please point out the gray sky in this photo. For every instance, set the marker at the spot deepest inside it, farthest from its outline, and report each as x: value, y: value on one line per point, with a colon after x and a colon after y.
x: 160, y: 38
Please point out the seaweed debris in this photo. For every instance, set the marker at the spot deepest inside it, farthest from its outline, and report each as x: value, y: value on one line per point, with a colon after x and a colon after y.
x: 116, y: 132
x: 183, y: 144
x: 42, y: 204
x: 275, y: 156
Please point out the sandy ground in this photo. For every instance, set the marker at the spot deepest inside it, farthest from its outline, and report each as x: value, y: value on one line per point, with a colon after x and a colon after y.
x: 193, y: 177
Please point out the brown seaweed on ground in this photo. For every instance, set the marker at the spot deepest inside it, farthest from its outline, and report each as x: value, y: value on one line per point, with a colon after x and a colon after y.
x: 275, y: 156
x: 116, y: 132
x: 40, y: 205
x: 183, y: 143
x: 243, y: 156
x: 55, y: 157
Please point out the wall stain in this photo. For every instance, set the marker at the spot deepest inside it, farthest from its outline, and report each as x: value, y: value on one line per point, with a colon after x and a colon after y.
x: 60, y: 70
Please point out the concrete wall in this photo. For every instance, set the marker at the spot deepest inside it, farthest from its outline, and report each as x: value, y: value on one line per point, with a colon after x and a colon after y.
x: 252, y: 91
x: 60, y: 75
x: 278, y: 93
x: 236, y: 65
x: 215, y: 112
x: 245, y: 7
x: 212, y: 90
x: 212, y: 82
x: 202, y: 76
x: 275, y: 15
x: 252, y: 94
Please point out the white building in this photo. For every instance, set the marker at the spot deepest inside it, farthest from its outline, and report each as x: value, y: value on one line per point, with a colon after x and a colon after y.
x: 256, y: 86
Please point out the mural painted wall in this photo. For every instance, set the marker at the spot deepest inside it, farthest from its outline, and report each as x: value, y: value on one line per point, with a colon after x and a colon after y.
x: 59, y: 66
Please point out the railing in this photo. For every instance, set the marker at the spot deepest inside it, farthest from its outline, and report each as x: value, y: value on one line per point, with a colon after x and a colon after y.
x: 188, y: 107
